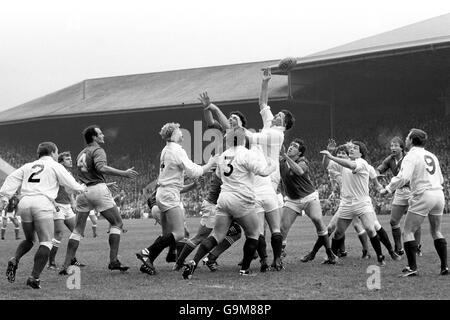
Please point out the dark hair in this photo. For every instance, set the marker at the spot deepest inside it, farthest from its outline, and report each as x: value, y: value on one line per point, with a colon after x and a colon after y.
x: 46, y: 149
x: 289, y: 119
x: 398, y: 140
x: 89, y: 133
x: 340, y: 148
x: 362, y: 148
x: 63, y: 155
x: 301, y: 145
x: 418, y: 137
x: 241, y: 116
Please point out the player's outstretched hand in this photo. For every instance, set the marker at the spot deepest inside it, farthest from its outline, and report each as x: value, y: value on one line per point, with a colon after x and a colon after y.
x: 204, y: 99
x: 326, y: 153
x: 267, y: 74
x: 130, y: 173
x: 331, y: 145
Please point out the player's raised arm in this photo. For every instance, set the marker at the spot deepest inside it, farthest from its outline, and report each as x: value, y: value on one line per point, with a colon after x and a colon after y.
x: 343, y: 162
x: 264, y: 94
x: 209, y: 109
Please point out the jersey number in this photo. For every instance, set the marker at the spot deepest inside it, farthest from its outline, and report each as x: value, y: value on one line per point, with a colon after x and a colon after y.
x: 227, y: 174
x: 431, y: 166
x: 33, y: 180
x: 81, y: 163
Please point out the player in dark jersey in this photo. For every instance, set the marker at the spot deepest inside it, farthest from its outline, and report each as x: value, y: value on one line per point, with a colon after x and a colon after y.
x: 63, y: 215
x: 399, y: 205
x: 10, y: 213
x: 91, y: 168
x: 301, y: 195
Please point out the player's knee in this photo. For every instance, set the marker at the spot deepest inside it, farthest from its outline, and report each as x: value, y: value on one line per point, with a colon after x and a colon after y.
x: 395, y: 224
x: 338, y: 234
x: 47, y: 244
x: 178, y: 235
x: 59, y: 235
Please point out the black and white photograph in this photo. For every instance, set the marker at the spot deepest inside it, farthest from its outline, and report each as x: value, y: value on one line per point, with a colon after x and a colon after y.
x: 222, y: 159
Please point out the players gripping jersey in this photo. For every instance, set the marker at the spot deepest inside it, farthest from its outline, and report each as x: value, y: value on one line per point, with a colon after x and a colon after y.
x: 89, y: 162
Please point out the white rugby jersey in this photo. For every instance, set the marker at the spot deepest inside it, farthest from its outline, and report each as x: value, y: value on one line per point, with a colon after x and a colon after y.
x: 335, y: 171
x: 41, y: 177
x: 237, y: 167
x: 355, y: 184
x: 174, y: 162
x: 421, y: 168
x: 270, y: 139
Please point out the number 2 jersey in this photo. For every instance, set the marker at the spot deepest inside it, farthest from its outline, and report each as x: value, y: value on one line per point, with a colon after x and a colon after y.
x: 41, y: 177
x: 421, y: 169
x: 89, y: 162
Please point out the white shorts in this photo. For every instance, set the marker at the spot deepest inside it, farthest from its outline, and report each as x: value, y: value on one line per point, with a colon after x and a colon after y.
x: 31, y: 208
x: 401, y: 197
x: 167, y: 198
x: 298, y: 205
x: 349, y: 210
x: 65, y: 212
x: 208, y: 212
x: 230, y: 205
x: 8, y: 215
x: 266, y: 199
x: 431, y: 202
x: 96, y: 197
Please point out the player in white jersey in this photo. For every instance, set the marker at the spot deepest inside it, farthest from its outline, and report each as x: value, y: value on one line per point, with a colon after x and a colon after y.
x: 420, y: 168
x: 355, y: 199
x: 39, y: 183
x: 237, y: 167
x: 10, y: 213
x: 174, y: 163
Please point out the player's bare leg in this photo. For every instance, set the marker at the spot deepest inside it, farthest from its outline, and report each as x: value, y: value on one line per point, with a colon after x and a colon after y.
x: 112, y: 215
x: 45, y: 230
x: 440, y: 243
x: 412, y: 223
x: 363, y: 238
x: 397, y: 213
x: 233, y: 235
x: 274, y: 220
x: 262, y: 245
x: 94, y: 221
x: 23, y: 248
x: 16, y: 227
x: 56, y: 241
x: 368, y: 223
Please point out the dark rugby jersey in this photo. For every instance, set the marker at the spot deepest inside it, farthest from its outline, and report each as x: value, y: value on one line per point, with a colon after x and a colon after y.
x: 89, y: 161
x: 62, y: 197
x: 390, y: 163
x: 296, y: 186
x: 214, y: 189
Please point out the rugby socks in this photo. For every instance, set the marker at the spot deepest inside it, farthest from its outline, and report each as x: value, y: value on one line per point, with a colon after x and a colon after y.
x: 249, y: 251
x: 114, y: 242
x: 276, y: 241
x: 172, y: 253
x: 185, y: 252
x: 179, y: 247
x: 364, y: 240
x: 40, y: 260
x: 206, y: 246
x: 441, y: 248
x: 397, y: 236
x: 384, y: 238
x: 411, y: 250
x: 336, y: 245
x: 376, y: 244
x: 418, y: 236
x: 16, y: 230
x: 342, y: 243
x: 53, y: 251
x: 94, y: 230
x: 72, y: 247
x: 159, y: 245
x: 262, y: 247
x: 223, y: 246
x: 22, y: 249
x: 3, y: 233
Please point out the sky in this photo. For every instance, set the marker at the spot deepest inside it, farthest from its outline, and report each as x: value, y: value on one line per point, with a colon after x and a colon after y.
x: 47, y: 45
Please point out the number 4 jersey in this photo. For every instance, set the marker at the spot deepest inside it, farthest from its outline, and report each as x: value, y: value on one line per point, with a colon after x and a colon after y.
x: 41, y: 177
x: 89, y: 162
x: 421, y: 168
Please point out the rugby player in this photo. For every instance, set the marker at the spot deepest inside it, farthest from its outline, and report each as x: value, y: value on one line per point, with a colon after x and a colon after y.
x: 10, y: 213
x: 91, y: 168
x: 237, y: 167
x: 399, y: 205
x: 420, y: 168
x: 39, y: 182
x: 174, y: 163
x: 302, y: 196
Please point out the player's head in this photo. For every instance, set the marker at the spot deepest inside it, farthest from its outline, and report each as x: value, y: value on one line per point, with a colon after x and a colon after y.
x: 358, y: 150
x: 237, y: 119
x: 342, y: 151
x: 397, y: 145
x: 416, y: 138
x: 171, y: 132
x: 47, y: 149
x: 296, y: 148
x: 93, y: 134
x: 65, y: 158
x: 236, y: 137
x: 284, y: 118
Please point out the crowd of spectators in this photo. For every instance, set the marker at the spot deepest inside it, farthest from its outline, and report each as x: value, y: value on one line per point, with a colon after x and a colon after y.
x: 377, y: 137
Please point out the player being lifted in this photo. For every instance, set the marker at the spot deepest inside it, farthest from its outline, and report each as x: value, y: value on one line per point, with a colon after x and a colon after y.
x: 39, y: 182
x: 302, y: 195
x: 91, y: 168
x: 401, y: 196
x: 237, y: 167
x: 10, y: 212
x: 420, y: 168
x: 174, y: 163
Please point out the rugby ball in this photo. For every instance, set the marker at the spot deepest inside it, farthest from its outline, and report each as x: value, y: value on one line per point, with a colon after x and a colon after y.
x: 287, y: 64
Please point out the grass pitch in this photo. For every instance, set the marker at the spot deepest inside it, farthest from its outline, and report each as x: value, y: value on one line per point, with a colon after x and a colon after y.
x: 346, y: 280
